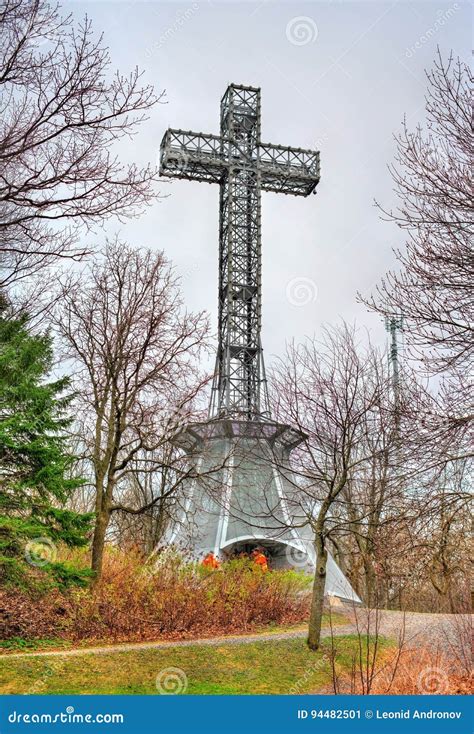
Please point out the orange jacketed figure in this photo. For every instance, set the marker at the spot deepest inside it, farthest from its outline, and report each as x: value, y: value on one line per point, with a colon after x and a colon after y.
x: 210, y: 561
x: 260, y: 559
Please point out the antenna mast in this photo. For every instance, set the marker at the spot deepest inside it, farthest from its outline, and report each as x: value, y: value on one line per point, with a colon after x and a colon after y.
x: 394, y: 324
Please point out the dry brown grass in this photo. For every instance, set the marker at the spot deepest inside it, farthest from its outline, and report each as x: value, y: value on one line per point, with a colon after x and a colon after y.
x: 434, y: 660
x: 420, y: 671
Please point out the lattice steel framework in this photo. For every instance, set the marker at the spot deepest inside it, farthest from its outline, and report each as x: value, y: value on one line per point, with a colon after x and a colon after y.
x: 243, y: 167
x: 393, y: 325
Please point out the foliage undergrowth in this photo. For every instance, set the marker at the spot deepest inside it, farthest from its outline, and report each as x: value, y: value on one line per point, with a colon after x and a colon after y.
x: 170, y: 598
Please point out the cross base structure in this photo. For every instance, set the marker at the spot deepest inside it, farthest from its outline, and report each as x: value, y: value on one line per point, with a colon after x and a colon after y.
x: 244, y: 498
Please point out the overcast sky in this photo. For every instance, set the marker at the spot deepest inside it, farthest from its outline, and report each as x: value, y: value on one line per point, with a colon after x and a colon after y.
x: 336, y: 76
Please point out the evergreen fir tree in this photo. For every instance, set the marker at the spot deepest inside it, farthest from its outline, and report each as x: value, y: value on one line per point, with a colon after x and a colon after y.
x: 35, y: 465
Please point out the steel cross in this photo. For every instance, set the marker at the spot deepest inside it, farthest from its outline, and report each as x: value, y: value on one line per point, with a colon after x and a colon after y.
x: 243, y: 167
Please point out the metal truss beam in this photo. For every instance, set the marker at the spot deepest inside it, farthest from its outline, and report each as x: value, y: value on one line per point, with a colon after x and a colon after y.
x: 200, y: 157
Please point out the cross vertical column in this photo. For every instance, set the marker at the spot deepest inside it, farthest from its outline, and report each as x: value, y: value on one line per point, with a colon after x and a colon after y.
x: 239, y: 358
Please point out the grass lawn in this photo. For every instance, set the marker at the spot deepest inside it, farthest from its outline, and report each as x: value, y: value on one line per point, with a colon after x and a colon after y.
x: 271, y: 666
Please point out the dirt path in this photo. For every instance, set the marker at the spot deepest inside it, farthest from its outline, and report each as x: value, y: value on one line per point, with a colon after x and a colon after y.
x: 438, y: 630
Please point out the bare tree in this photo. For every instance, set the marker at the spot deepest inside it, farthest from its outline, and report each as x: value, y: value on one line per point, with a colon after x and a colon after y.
x: 371, y: 498
x: 147, y: 498
x: 62, y: 112
x: 443, y: 533
x: 328, y: 391
x: 432, y: 290
x: 379, y: 498
x: 432, y: 177
x: 406, y: 510
x: 136, y: 351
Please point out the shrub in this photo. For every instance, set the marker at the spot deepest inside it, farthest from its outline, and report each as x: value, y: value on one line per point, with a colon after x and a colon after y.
x: 170, y: 598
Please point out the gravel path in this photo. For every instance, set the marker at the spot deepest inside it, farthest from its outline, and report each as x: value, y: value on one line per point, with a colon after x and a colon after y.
x: 163, y: 644
x: 441, y: 631
x: 448, y: 633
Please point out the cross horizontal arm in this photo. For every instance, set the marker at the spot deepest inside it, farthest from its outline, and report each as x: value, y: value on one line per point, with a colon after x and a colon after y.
x: 288, y: 170
x: 194, y: 156
x: 205, y: 157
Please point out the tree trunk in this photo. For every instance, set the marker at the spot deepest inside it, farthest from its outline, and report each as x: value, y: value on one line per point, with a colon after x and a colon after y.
x: 370, y: 582
x: 317, y: 598
x: 98, y: 543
